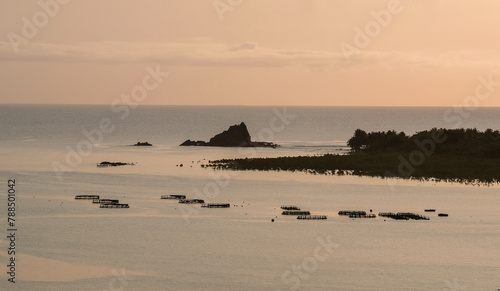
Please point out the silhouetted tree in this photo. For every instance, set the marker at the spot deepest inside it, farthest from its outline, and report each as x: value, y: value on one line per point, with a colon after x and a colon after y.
x: 359, y: 140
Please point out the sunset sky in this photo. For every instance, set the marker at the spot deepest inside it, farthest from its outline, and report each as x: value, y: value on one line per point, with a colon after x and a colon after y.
x: 251, y: 52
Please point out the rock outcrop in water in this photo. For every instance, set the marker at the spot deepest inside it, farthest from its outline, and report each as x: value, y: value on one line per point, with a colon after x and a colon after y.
x: 235, y: 136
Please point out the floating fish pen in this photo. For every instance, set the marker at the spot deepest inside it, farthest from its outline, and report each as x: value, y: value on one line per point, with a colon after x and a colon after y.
x: 178, y: 197
x: 295, y: 212
x: 113, y: 164
x: 117, y: 205
x: 362, y: 216
x: 386, y: 214
x: 311, y: 217
x: 349, y: 213
x: 430, y: 210
x: 86, y: 197
x: 403, y: 216
x: 191, y: 201
x: 443, y: 215
x: 216, y: 205
x: 413, y: 216
x: 290, y: 207
x: 399, y: 217
x: 105, y: 201
x: 392, y: 215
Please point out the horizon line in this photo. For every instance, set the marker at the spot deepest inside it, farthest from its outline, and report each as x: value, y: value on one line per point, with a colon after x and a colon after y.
x: 245, y: 105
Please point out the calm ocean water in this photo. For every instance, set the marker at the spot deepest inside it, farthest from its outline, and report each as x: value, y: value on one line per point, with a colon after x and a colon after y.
x: 63, y: 244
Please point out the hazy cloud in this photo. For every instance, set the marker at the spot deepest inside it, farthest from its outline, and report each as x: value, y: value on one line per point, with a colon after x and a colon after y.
x: 248, y: 54
x: 245, y: 46
x: 188, y: 54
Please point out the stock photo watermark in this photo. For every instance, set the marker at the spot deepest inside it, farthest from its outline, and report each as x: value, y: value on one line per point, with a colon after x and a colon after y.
x: 309, y: 265
x: 373, y: 28
x: 121, y: 106
x: 211, y: 190
x: 119, y: 280
x: 455, y: 286
x: 482, y: 92
x: 223, y: 6
x: 11, y: 229
x: 31, y: 26
x: 277, y: 124
x: 220, y: 180
x: 455, y: 117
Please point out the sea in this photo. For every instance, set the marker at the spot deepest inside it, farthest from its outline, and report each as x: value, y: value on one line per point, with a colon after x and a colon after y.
x: 49, y: 154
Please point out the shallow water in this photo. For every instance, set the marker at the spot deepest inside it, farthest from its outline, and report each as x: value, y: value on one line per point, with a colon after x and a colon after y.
x: 67, y: 244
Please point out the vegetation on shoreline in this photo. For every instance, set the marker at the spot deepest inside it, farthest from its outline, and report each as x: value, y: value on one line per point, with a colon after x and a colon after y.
x: 448, y: 142
x: 455, y: 155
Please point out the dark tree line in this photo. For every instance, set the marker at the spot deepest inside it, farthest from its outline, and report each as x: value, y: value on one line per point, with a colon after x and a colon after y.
x: 470, y: 141
x: 456, y: 155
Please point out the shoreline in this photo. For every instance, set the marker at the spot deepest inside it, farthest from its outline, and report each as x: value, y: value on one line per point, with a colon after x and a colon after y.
x: 465, y: 156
